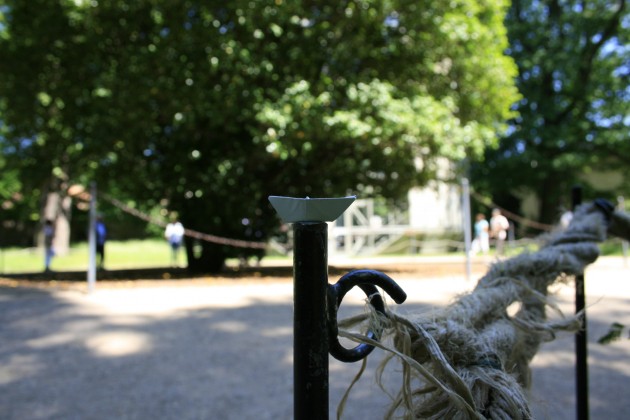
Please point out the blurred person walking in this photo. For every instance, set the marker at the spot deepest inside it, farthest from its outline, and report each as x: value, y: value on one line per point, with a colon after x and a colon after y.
x: 565, y: 219
x: 499, y: 226
x: 482, y: 239
x: 174, y: 234
x: 49, y: 237
x: 101, y: 238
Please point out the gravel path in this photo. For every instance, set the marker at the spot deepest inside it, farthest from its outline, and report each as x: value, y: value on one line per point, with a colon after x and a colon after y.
x: 222, y: 349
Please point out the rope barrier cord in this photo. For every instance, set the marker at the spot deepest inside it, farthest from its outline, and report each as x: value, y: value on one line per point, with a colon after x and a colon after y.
x: 522, y: 220
x: 471, y: 358
x: 188, y: 232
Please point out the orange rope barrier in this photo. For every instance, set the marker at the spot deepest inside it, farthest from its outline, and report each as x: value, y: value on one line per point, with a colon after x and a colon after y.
x: 238, y: 243
x: 531, y: 223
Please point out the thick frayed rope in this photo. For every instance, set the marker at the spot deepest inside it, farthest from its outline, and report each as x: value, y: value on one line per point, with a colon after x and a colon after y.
x: 471, y: 359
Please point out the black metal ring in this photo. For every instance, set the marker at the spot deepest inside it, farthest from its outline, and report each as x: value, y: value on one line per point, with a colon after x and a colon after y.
x: 367, y: 280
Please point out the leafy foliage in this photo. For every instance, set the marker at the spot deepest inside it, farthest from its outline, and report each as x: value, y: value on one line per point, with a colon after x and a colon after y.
x: 573, y: 60
x: 210, y: 107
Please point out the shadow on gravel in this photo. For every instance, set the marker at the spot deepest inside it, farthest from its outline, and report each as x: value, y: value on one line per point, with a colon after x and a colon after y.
x: 66, y: 355
x: 68, y: 358
x: 554, y: 372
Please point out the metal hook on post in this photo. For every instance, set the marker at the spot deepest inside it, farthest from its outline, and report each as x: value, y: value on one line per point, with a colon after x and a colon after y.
x: 366, y: 280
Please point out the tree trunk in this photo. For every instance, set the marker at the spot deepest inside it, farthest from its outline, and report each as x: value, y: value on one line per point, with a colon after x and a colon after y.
x: 205, y: 257
x: 58, y: 209
x: 551, y: 200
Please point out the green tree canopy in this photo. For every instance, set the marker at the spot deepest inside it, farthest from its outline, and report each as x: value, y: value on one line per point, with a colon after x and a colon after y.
x: 212, y: 106
x: 573, y: 119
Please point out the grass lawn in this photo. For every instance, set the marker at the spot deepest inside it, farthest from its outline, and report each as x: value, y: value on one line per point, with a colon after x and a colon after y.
x: 156, y: 253
x: 118, y: 255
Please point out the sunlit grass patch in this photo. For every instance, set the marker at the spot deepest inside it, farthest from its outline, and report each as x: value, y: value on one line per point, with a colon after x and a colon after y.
x: 118, y: 255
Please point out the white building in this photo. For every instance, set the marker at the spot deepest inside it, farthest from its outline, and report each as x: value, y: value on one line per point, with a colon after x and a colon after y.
x: 434, y: 210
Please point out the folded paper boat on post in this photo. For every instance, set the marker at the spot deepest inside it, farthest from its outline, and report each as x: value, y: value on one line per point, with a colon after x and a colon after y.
x: 307, y: 209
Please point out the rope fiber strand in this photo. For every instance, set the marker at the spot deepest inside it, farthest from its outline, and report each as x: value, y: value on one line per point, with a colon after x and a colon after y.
x: 471, y: 359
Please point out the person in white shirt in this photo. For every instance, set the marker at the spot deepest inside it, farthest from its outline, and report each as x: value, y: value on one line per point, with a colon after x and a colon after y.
x: 565, y: 219
x: 174, y: 234
x: 499, y: 226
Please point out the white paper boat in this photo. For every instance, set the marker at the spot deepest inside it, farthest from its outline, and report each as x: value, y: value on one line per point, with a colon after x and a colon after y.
x: 307, y: 209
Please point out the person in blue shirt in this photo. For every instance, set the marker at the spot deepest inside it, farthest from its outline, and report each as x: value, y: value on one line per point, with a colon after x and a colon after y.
x: 49, y: 237
x: 101, y: 237
x: 482, y: 236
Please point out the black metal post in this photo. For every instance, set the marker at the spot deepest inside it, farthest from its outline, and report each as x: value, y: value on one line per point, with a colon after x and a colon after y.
x: 310, y: 340
x: 581, y: 366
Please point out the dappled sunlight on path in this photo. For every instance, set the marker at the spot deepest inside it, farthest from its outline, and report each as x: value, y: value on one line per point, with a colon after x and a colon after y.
x: 212, y: 348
